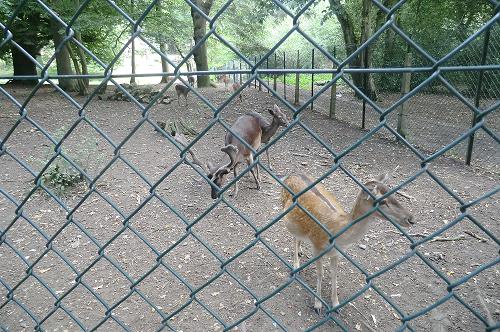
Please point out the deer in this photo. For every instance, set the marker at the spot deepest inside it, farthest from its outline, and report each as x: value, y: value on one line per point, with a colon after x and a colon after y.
x: 215, y: 174
x: 251, y: 127
x: 235, y: 86
x: 191, y: 80
x: 324, y: 206
x: 226, y: 80
x: 181, y: 90
x: 254, y: 129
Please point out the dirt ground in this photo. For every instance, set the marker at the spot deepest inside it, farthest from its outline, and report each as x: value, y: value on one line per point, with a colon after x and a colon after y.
x: 433, y: 120
x: 214, y: 268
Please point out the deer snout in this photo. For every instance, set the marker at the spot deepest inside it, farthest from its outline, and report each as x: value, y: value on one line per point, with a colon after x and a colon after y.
x: 407, y: 221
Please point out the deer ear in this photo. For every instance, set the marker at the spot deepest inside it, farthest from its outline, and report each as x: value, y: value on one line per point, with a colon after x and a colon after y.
x: 382, y: 178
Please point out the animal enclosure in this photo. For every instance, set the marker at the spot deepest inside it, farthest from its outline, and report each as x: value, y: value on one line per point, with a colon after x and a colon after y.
x: 106, y: 223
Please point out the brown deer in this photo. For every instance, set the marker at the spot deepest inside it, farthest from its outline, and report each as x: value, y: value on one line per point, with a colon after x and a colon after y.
x: 254, y: 129
x: 191, y: 80
x: 181, y: 90
x: 234, y: 87
x: 324, y: 207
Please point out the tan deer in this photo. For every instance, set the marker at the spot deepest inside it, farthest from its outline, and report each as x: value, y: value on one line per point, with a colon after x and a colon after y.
x: 324, y: 207
x: 181, y: 90
x: 254, y: 129
x: 226, y: 80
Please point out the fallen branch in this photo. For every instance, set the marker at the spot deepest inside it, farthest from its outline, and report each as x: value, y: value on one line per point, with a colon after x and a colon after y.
x: 410, y: 234
x: 482, y: 239
x: 489, y: 317
x: 300, y: 154
x: 405, y: 195
x: 364, y: 323
x: 444, y: 239
x: 436, y: 239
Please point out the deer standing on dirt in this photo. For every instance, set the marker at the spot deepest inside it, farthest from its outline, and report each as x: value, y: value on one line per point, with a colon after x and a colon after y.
x: 324, y: 207
x: 181, y: 90
x: 226, y: 80
x: 235, y: 88
x: 254, y: 129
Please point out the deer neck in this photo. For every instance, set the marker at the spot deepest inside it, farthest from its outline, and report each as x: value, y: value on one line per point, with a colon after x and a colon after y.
x: 358, y: 230
x: 268, y: 130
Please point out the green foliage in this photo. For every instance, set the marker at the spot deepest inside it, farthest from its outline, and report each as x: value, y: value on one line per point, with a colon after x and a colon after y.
x: 61, y: 176
x: 30, y: 25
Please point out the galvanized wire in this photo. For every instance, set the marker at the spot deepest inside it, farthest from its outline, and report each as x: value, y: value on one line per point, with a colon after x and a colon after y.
x: 437, y: 70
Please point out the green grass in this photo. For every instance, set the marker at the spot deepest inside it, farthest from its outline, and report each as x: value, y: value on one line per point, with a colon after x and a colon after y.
x: 304, y: 79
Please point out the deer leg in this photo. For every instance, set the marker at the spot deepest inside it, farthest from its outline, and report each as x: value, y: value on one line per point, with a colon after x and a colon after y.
x: 268, y: 159
x: 235, y: 182
x: 250, y: 161
x: 178, y: 102
x: 333, y: 267
x: 296, y: 260
x: 319, y: 275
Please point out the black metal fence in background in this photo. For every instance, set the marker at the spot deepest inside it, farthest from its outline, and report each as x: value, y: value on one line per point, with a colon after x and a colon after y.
x: 11, y: 288
x: 481, y: 88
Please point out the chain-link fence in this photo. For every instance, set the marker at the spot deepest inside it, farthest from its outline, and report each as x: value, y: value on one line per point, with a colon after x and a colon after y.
x: 106, y: 220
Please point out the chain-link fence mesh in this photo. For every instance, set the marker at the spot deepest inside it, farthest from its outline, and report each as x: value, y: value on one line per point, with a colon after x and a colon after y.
x: 104, y: 226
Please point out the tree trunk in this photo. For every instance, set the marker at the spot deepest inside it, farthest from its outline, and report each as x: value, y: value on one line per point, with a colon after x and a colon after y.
x: 163, y: 50
x: 63, y: 60
x: 132, y: 58
x: 199, y: 31
x: 22, y: 65
x: 351, y: 43
x: 164, y: 63
x: 82, y: 86
x: 366, y: 58
x: 405, y: 88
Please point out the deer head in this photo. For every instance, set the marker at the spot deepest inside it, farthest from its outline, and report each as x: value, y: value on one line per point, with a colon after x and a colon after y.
x: 217, y: 174
x: 389, y: 205
x: 278, y: 114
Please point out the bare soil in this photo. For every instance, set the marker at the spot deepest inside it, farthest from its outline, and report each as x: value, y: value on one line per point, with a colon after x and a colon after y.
x: 139, y: 245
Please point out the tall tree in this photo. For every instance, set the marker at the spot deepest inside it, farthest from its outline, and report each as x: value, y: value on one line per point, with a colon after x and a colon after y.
x: 352, y: 41
x: 63, y: 59
x: 199, y: 31
x: 31, y: 32
x: 163, y: 49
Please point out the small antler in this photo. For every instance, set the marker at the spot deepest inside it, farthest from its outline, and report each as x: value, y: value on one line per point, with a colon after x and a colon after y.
x: 182, y: 140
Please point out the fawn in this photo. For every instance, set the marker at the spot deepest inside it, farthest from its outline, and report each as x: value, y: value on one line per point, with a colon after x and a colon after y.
x: 213, y: 172
x: 181, y: 90
x: 324, y: 207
